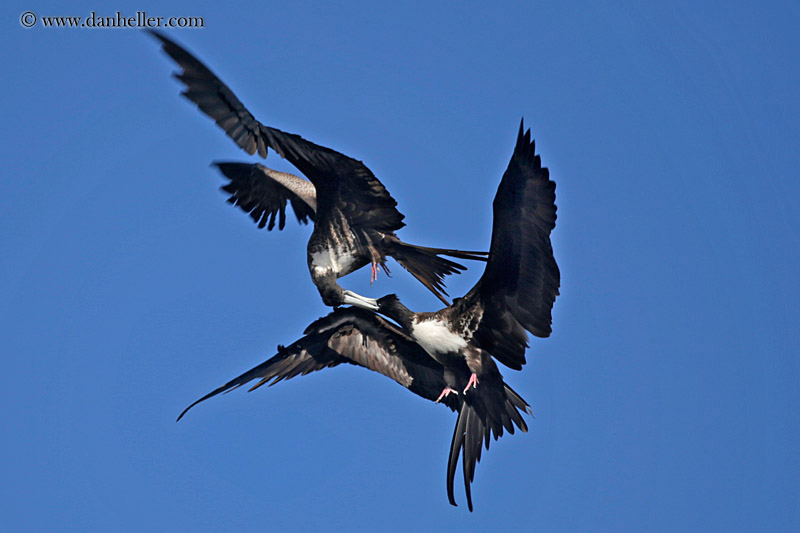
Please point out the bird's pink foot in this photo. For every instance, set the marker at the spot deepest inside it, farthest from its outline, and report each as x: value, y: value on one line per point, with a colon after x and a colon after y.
x: 447, y: 391
x: 473, y: 382
x: 374, y: 276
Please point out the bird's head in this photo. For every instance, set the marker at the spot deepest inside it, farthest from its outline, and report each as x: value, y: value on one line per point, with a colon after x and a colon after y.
x: 391, y: 306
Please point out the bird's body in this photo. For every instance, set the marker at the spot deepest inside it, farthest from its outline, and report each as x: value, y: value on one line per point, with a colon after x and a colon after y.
x: 448, y: 356
x: 355, y: 217
x: 434, y: 335
x: 433, y: 355
x: 516, y: 292
x: 362, y: 338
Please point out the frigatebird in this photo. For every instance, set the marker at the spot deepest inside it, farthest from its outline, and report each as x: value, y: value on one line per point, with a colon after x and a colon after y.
x: 355, y: 217
x: 363, y: 338
x: 515, y: 294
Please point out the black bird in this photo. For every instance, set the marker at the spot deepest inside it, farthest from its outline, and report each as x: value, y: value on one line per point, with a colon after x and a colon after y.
x: 515, y: 293
x: 355, y: 217
x: 363, y: 338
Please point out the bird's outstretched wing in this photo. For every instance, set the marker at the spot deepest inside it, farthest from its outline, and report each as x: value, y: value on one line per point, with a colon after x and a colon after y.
x: 253, y: 189
x: 350, y: 335
x: 360, y: 337
x: 341, y: 181
x: 521, y: 280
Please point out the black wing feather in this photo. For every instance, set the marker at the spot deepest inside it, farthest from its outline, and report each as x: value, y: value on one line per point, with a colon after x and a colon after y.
x: 521, y: 280
x: 261, y: 197
x: 301, y: 358
x: 338, y: 178
x: 355, y: 336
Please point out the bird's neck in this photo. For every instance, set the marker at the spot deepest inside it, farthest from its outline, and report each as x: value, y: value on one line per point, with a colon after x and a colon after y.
x: 398, y: 312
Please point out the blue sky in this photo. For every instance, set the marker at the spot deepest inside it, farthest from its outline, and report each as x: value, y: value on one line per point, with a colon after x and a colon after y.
x: 666, y: 398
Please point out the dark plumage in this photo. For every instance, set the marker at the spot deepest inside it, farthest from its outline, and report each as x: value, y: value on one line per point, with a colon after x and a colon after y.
x: 355, y: 216
x: 359, y: 337
x: 515, y: 293
x: 257, y: 191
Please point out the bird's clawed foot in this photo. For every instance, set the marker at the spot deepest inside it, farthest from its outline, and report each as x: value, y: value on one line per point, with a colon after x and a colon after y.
x: 446, y: 392
x: 374, y: 275
x: 473, y: 382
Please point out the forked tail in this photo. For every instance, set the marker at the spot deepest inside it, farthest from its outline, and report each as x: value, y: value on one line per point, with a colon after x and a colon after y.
x: 482, y: 416
x: 427, y: 265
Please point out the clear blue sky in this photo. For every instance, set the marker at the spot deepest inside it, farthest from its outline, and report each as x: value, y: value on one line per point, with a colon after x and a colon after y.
x: 666, y: 399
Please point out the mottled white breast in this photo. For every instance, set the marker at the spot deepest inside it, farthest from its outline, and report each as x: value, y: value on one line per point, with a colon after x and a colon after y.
x: 329, y: 260
x: 436, y: 338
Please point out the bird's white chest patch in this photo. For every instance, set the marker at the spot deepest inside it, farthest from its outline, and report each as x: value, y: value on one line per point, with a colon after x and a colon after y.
x: 436, y: 338
x: 340, y: 264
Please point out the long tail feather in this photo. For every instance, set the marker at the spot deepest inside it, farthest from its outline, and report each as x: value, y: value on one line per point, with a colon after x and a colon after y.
x: 478, y: 421
x: 427, y: 265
